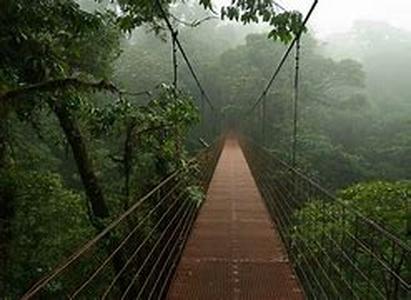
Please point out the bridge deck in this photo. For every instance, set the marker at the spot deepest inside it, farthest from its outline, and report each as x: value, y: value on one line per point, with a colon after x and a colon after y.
x: 234, y: 251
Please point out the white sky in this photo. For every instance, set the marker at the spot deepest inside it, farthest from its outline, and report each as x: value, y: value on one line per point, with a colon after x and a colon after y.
x: 338, y: 15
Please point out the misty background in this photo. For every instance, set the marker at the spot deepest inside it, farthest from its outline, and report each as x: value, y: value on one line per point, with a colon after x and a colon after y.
x: 354, y: 133
x: 356, y: 55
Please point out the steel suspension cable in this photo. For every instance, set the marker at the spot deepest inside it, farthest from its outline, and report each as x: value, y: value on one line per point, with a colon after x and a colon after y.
x: 136, y: 274
x: 140, y: 246
x: 290, y: 209
x: 284, y: 58
x: 264, y: 119
x: 183, y: 236
x: 163, y: 251
x: 202, y: 95
x: 129, y: 235
x: 318, y: 263
x: 185, y: 57
x: 366, y: 247
x: 284, y: 212
x: 354, y: 211
x: 47, y: 279
x: 280, y: 6
x: 330, y: 238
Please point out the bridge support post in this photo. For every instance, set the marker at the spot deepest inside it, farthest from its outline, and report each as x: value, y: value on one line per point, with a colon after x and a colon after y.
x: 203, y: 129
x: 296, y: 98
x: 264, y: 115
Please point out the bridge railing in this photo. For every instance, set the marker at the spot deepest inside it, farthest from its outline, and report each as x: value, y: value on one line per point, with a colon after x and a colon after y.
x: 134, y: 257
x: 337, y: 252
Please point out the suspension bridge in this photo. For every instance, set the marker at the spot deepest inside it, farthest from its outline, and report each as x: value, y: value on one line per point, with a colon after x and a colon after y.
x: 233, y: 251
x: 225, y: 227
x: 240, y: 242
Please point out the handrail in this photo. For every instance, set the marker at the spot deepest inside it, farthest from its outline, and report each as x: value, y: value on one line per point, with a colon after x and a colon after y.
x: 340, y: 253
x: 170, y: 190
x: 377, y: 226
x: 97, y: 238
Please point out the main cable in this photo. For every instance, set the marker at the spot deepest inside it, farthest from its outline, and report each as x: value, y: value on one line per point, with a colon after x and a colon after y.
x: 185, y: 57
x: 284, y: 58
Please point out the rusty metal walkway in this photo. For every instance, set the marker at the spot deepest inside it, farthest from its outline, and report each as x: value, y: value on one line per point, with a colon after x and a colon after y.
x: 234, y: 251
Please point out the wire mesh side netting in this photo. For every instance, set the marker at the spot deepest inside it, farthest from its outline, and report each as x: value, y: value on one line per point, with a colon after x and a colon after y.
x: 338, y: 253
x: 135, y: 256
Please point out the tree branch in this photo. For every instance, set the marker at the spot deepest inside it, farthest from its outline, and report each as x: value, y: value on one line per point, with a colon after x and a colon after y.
x: 154, y: 128
x: 194, y: 23
x: 58, y: 84
x: 65, y: 83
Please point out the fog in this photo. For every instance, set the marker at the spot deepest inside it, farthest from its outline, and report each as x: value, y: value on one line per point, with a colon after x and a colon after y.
x: 337, y: 16
x: 332, y: 16
x: 98, y: 108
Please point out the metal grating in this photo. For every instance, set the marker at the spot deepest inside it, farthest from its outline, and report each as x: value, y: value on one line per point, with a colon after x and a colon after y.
x: 234, y: 250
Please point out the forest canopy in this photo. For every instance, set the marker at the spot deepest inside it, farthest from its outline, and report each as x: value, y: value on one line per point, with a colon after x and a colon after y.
x: 91, y: 117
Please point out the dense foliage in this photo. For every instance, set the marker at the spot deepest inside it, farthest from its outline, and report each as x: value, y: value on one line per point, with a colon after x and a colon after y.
x: 89, y: 121
x: 337, y: 225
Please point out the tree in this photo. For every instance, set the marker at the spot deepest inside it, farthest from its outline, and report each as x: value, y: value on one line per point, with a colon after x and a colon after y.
x: 386, y: 204
x: 49, y: 42
x: 285, y: 24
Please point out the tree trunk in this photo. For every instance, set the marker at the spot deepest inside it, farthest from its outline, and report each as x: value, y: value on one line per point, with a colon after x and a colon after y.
x: 127, y: 161
x: 6, y: 217
x: 3, y: 136
x: 6, y: 199
x: 93, y: 190
x: 89, y: 179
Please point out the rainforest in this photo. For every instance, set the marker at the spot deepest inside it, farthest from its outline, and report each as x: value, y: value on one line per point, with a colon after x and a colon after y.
x: 118, y: 117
